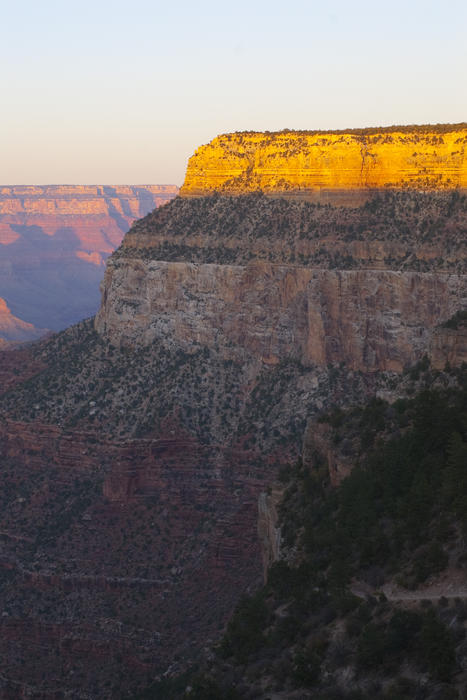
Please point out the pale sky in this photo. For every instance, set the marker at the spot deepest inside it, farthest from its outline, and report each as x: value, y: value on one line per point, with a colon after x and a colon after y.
x: 123, y: 91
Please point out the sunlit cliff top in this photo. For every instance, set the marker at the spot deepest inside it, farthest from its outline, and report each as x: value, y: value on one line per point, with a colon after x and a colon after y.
x: 340, y: 167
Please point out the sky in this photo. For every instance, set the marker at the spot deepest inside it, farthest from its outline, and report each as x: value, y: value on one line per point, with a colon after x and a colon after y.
x: 123, y: 92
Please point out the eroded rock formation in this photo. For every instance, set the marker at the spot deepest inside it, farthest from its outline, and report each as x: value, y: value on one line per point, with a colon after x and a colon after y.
x: 99, y: 215
x: 342, y: 167
x: 369, y: 320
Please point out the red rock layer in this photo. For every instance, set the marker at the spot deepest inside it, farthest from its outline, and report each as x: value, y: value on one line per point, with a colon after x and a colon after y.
x: 98, y: 214
x: 120, y: 617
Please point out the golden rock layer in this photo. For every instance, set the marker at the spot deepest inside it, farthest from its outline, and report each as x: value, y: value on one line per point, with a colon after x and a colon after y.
x: 336, y: 167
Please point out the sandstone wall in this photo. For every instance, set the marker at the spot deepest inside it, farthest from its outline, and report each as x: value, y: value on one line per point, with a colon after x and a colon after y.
x: 339, y: 168
x: 369, y: 319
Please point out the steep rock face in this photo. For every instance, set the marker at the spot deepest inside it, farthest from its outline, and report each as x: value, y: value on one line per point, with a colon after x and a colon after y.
x: 12, y: 328
x: 54, y: 241
x: 336, y: 167
x: 449, y: 346
x: 370, y: 320
x: 140, y: 461
x: 269, y: 531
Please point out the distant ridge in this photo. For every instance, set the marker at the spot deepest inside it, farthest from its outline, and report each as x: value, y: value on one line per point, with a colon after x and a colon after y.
x: 55, y: 239
x: 14, y: 329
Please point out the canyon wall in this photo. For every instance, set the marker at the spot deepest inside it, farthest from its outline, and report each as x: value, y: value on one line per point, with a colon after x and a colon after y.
x: 370, y: 320
x: 54, y: 241
x: 99, y: 215
x: 343, y: 167
x: 119, y: 557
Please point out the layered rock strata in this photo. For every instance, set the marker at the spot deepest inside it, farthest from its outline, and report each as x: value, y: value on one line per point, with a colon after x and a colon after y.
x: 99, y: 215
x: 139, y: 451
x: 117, y: 556
x: 370, y: 320
x: 54, y: 241
x: 341, y: 167
x: 395, y: 231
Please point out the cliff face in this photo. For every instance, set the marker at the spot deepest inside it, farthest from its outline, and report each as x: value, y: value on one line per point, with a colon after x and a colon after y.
x: 273, y: 280
x: 54, y: 241
x: 370, y: 320
x: 336, y: 167
x: 449, y: 346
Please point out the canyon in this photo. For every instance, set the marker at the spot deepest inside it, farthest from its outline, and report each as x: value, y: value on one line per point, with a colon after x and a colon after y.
x: 138, y: 445
x: 54, y: 241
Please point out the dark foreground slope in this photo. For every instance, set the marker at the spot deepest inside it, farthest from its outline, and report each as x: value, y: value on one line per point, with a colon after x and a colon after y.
x: 407, y: 231
x: 369, y: 597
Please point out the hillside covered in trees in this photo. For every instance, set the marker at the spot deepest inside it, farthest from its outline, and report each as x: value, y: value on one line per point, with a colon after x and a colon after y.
x: 369, y: 598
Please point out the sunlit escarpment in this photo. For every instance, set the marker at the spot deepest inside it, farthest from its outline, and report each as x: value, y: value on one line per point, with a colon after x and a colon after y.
x: 340, y: 167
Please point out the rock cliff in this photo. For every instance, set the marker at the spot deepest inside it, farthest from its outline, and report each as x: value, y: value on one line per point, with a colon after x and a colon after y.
x: 275, y: 280
x: 341, y: 167
x: 99, y: 215
x: 369, y: 320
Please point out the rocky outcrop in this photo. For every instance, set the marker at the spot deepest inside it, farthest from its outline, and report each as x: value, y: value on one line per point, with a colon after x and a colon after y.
x: 14, y: 329
x: 318, y: 444
x: 54, y: 241
x: 449, y: 347
x: 269, y: 531
x: 342, y: 167
x: 369, y: 320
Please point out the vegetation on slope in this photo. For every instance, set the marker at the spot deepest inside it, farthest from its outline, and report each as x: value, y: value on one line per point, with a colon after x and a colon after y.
x: 87, y: 383
x: 343, y: 614
x: 373, y: 130
x: 420, y: 231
